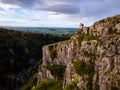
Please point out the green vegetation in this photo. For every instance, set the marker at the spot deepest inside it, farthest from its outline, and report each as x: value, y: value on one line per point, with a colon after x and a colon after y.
x: 30, y: 83
x: 48, y: 84
x: 112, y: 31
x: 57, y: 70
x: 90, y: 55
x: 52, y: 51
x: 88, y: 37
x: 114, y: 88
x: 54, y: 31
x: 80, y: 39
x: 72, y: 86
x: 82, y: 69
x: 91, y: 71
x: 19, y: 51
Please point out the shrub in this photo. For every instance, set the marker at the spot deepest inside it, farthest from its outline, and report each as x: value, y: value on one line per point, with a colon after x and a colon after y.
x: 112, y: 31
x: 80, y: 67
x: 88, y: 37
x: 91, y: 55
x: 31, y: 82
x: 52, y: 51
x: 72, y: 86
x: 57, y: 70
x: 48, y: 84
x: 114, y: 88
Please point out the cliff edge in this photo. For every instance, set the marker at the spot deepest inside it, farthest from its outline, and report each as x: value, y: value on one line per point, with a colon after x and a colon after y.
x: 90, y: 60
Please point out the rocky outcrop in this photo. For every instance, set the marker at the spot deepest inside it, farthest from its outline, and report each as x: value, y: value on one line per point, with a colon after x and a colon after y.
x: 91, y: 57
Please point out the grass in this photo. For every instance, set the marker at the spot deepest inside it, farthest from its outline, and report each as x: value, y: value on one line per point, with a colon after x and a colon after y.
x: 32, y: 81
x: 48, y: 84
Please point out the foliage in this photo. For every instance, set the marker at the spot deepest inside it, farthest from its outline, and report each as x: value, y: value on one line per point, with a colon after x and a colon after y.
x: 53, y: 53
x: 90, y: 55
x: 31, y: 82
x: 88, y: 37
x: 72, y: 86
x: 48, y: 84
x: 80, y: 67
x: 57, y: 70
x: 52, y: 50
x: 114, y: 88
x: 20, y: 51
x: 112, y: 31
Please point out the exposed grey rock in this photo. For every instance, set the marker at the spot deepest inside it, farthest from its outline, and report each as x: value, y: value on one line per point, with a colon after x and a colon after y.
x: 118, y: 27
x: 99, y: 31
x: 105, y: 32
x: 44, y: 73
x: 104, y: 53
x: 111, y: 50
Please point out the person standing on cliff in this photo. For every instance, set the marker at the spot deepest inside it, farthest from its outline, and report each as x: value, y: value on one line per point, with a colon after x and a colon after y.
x: 81, y: 25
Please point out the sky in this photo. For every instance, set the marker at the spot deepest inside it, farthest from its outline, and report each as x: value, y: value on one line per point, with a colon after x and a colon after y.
x: 55, y: 13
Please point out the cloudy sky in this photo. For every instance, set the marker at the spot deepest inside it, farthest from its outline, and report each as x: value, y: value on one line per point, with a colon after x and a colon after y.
x: 55, y: 13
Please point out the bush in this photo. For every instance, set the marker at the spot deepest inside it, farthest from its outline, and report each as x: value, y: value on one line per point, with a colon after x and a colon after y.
x: 57, y: 70
x: 20, y: 51
x: 72, y: 86
x: 31, y: 82
x: 88, y: 37
x: 112, y: 31
x: 48, y: 84
x: 114, y: 88
x: 53, y: 53
x: 80, y: 67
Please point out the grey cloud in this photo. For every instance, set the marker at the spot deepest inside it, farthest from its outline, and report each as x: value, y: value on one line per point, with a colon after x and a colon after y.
x: 81, y: 7
x: 99, y: 8
x: 43, y: 5
x: 66, y: 9
x: 22, y: 3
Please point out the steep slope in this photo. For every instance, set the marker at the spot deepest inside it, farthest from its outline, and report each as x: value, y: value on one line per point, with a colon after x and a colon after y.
x: 20, y: 53
x: 90, y: 60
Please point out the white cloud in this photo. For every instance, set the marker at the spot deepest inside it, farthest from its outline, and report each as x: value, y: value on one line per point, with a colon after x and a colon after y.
x: 56, y: 12
x: 7, y: 9
x: 8, y: 6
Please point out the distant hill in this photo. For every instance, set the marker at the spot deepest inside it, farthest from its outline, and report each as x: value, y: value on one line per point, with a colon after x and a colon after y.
x: 50, y: 30
x: 19, y: 54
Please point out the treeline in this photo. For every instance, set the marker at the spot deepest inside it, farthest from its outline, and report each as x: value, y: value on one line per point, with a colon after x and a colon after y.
x: 20, y: 51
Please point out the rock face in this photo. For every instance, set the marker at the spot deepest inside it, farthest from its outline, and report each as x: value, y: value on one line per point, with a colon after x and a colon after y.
x: 91, y: 57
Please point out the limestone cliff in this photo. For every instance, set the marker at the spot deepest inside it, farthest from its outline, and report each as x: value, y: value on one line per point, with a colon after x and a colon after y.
x: 91, y: 57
